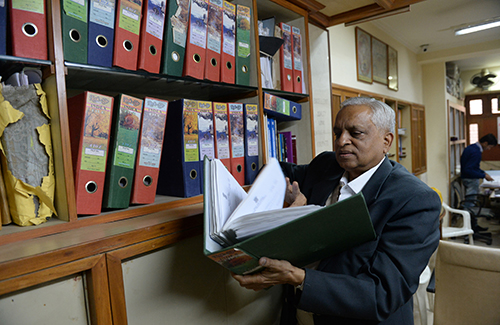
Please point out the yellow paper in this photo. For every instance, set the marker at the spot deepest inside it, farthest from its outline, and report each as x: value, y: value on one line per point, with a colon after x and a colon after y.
x: 20, y: 194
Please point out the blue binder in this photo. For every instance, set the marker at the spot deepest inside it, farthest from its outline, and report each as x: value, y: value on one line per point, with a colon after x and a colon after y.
x: 3, y: 27
x: 251, y: 126
x: 101, y: 32
x: 180, y: 162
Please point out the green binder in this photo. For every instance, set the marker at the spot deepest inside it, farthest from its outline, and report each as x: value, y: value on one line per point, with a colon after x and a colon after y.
x: 74, y: 20
x: 243, y: 50
x: 122, y: 152
x: 175, y: 36
x: 317, y: 235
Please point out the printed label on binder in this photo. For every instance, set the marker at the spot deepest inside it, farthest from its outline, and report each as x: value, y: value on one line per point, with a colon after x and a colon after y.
x: 244, y: 31
x: 221, y: 125
x: 129, y: 124
x: 151, y: 142
x: 102, y: 13
x: 190, y: 124
x: 130, y: 19
x: 156, y: 17
x: 229, y: 28
x: 179, y: 23
x: 198, y: 30
x: 252, y: 130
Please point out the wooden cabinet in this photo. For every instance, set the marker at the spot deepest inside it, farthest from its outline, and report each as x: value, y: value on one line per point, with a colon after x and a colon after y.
x: 457, y: 137
x: 74, y: 244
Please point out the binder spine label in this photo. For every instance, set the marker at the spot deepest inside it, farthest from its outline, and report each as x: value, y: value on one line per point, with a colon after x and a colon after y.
x: 229, y: 28
x: 236, y: 260
x: 243, y: 17
x: 287, y: 46
x: 153, y: 124
x: 198, y: 24
x: 76, y: 9
x: 221, y: 129
x: 190, y: 126
x: 179, y: 21
x: 297, y: 49
x: 236, y: 119
x: 214, y: 25
x: 102, y: 12
x: 96, y: 132
x: 130, y: 16
x: 36, y: 6
x: 252, y: 121
x: 128, y: 131
x: 205, y: 130
x: 155, y: 18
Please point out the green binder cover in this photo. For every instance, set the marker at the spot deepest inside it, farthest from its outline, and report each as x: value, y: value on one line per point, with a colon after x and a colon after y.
x: 74, y: 19
x: 243, y: 49
x: 122, y: 151
x: 320, y: 234
x: 174, y: 45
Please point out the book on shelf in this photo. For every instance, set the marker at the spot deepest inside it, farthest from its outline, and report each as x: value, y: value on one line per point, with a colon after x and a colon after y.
x: 241, y: 227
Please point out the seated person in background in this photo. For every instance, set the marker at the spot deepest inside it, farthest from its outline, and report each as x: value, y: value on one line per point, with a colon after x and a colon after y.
x: 470, y: 173
x: 374, y: 282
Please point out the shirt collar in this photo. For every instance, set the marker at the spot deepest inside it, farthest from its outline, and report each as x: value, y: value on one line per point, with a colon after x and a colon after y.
x: 357, y: 184
x: 480, y: 146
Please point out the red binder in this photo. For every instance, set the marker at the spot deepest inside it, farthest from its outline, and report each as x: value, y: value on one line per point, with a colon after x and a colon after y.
x: 28, y: 25
x: 127, y: 29
x: 286, y: 58
x: 194, y: 62
x: 214, y: 38
x: 297, y: 60
x: 221, y: 127
x: 237, y: 141
x: 90, y: 124
x: 147, y: 166
x: 228, y: 43
x: 151, y: 37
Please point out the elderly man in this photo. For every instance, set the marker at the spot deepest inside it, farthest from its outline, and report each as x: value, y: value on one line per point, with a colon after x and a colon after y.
x: 374, y: 282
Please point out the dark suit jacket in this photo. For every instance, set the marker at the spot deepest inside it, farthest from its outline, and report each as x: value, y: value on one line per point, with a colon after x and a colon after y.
x: 374, y: 282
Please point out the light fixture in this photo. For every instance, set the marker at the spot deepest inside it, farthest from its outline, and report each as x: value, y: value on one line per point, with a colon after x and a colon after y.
x: 486, y: 24
x: 381, y: 15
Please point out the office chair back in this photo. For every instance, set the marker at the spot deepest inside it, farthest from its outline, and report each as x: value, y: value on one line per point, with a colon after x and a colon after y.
x: 467, y: 285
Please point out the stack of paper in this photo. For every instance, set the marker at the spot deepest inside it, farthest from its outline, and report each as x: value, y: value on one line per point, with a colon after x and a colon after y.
x: 237, y: 215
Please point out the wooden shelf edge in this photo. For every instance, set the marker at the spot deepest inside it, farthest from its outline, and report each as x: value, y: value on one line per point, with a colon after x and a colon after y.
x: 87, y: 221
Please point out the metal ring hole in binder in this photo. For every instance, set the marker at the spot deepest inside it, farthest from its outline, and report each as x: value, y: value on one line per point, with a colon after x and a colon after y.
x: 229, y: 65
x: 30, y: 30
x: 152, y: 50
x: 197, y: 58
x: 91, y: 187
x: 175, y: 56
x: 288, y: 77
x: 253, y: 166
x: 298, y: 79
x: 147, y: 180
x: 127, y: 45
x: 213, y: 62
x: 239, y: 168
x: 123, y: 182
x: 294, y: 109
x: 193, y: 174
x: 101, y: 41
x: 75, y: 35
x: 244, y: 68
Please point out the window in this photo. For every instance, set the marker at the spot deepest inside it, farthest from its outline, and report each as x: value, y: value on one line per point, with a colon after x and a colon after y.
x: 476, y: 107
x: 473, y: 133
x: 494, y: 106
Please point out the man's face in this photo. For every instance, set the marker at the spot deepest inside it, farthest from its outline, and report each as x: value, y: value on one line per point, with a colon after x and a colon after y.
x: 359, y: 144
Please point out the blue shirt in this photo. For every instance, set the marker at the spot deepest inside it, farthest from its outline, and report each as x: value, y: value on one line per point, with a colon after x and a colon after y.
x: 470, y: 160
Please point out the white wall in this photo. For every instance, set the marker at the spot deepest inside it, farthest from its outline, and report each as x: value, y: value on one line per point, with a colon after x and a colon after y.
x: 343, y: 63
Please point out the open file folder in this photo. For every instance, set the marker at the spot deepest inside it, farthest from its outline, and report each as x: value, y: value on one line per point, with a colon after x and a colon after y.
x: 316, y: 235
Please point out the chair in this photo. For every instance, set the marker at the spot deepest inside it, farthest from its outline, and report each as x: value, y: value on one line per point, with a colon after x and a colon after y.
x: 475, y: 204
x: 464, y: 230
x: 467, y: 285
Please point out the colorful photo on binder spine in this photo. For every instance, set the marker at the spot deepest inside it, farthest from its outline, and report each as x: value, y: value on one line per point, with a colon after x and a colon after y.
x: 27, y: 160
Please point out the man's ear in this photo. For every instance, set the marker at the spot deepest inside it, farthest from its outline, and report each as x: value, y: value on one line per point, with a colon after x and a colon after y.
x: 388, y: 138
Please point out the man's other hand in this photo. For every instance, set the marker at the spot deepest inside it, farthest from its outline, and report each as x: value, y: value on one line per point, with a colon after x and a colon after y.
x: 293, y: 195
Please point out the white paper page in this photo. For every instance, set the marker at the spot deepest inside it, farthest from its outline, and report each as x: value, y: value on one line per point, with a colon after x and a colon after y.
x: 267, y: 192
x: 229, y: 194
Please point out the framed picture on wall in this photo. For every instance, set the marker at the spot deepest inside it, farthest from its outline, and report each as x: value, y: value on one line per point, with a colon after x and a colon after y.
x: 379, y: 59
x: 363, y: 56
x: 392, y: 69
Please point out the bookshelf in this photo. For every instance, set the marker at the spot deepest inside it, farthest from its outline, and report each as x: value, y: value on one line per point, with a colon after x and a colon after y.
x: 167, y: 215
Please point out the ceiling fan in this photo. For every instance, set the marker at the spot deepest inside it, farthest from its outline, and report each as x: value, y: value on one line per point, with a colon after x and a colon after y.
x: 483, y: 79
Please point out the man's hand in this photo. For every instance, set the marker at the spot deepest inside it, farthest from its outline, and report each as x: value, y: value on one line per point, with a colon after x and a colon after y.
x: 275, y: 272
x: 488, y: 178
x: 293, y: 195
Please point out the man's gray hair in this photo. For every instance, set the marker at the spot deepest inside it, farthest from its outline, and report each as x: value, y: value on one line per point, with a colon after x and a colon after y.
x: 383, y: 117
